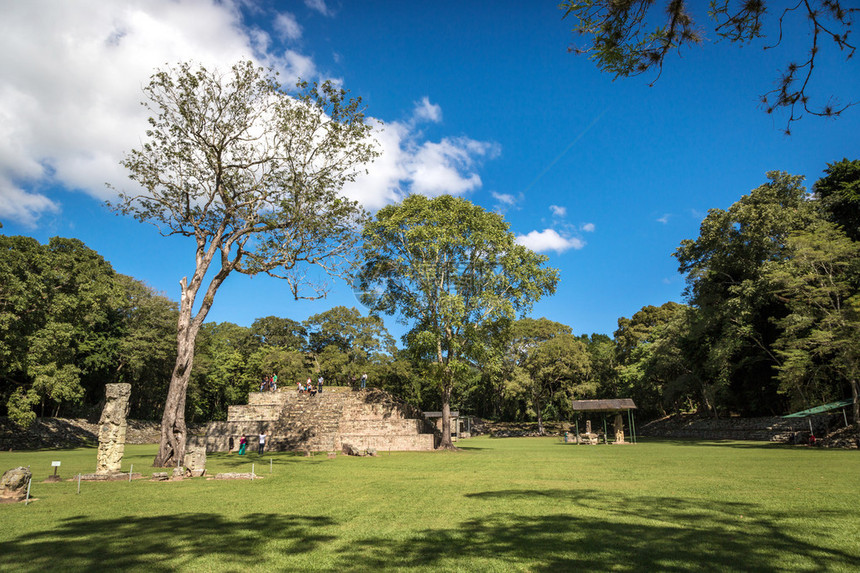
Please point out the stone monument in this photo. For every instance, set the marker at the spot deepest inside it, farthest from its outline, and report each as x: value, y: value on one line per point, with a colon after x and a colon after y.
x: 619, y: 428
x: 112, y: 428
x: 13, y: 484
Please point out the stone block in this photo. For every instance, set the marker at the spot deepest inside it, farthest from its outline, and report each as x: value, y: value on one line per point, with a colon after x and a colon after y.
x: 13, y: 484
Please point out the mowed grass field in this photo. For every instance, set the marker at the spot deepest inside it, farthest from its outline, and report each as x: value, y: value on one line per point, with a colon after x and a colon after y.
x: 516, y: 504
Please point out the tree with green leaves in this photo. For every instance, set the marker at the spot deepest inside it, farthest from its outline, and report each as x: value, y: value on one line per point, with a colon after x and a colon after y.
x: 653, y: 367
x: 734, y: 323
x: 453, y: 270
x: 838, y: 193
x: 556, y: 368
x: 820, y: 342
x: 59, y: 323
x: 146, y: 349
x: 252, y: 175
x: 631, y: 37
x: 344, y: 342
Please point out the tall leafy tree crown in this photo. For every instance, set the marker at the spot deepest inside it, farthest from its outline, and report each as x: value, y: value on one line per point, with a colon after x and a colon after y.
x: 253, y: 174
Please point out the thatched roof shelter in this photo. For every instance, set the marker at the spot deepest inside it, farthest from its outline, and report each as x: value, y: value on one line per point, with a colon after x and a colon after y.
x: 613, y: 405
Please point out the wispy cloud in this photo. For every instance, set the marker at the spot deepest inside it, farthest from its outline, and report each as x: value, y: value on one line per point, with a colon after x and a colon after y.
x: 549, y: 240
x: 558, y: 211
x: 287, y: 27
x: 504, y: 198
x: 426, y: 111
x: 319, y: 6
x: 664, y: 219
x: 588, y: 227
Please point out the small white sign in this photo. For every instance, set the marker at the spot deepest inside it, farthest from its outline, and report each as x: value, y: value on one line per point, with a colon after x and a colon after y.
x: 55, y: 464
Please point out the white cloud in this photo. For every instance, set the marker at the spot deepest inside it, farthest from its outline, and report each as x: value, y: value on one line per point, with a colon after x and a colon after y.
x: 319, y: 6
x: 664, y: 219
x: 287, y: 26
x: 558, y: 211
x: 71, y: 86
x: 408, y: 165
x: 448, y: 166
x: 504, y: 198
x: 70, y: 97
x: 426, y: 111
x: 588, y: 227
x: 296, y: 65
x: 549, y: 240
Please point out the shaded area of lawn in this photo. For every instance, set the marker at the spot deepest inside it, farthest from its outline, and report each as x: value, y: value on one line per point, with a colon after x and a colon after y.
x: 589, y: 530
x: 162, y: 543
x: 624, y: 533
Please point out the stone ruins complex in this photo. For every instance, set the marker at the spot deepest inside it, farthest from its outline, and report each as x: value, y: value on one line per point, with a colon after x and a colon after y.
x: 112, y: 428
x: 363, y: 419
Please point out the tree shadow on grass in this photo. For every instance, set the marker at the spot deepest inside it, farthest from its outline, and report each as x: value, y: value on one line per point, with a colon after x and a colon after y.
x: 591, y: 530
x: 737, y: 444
x: 161, y: 543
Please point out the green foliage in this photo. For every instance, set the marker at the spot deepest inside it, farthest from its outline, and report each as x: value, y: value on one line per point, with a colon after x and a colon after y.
x: 820, y: 342
x: 735, y: 308
x: 839, y: 195
x: 653, y: 367
x: 20, y: 407
x: 453, y: 270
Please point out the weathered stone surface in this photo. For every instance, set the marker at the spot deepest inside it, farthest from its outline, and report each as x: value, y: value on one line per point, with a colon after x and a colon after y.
x: 299, y: 422
x: 179, y: 472
x: 116, y: 476
x: 235, y: 475
x: 618, y: 424
x: 13, y: 484
x: 160, y: 476
x: 195, y: 458
x: 371, y: 451
x: 112, y: 428
x: 348, y: 450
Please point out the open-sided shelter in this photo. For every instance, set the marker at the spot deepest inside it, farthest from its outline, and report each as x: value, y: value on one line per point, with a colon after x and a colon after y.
x: 612, y: 406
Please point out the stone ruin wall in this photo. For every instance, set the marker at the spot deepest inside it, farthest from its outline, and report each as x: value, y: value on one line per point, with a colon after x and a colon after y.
x: 299, y: 422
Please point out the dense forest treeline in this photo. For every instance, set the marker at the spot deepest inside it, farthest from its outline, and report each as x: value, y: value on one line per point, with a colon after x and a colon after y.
x: 771, y: 324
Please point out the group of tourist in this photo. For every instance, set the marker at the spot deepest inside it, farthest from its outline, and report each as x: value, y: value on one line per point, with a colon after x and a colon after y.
x: 309, y: 388
x: 243, y: 444
x: 269, y: 383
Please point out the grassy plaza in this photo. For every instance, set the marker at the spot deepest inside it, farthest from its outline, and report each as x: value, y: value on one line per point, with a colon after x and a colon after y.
x: 517, y: 504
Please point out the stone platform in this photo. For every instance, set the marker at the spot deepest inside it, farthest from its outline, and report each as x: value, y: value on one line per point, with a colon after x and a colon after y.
x: 364, y: 419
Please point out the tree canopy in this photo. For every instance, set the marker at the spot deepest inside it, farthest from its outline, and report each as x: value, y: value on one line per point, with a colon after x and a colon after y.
x: 252, y: 174
x: 452, y: 270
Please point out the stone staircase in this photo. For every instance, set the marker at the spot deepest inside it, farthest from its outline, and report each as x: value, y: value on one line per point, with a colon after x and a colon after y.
x: 364, y: 419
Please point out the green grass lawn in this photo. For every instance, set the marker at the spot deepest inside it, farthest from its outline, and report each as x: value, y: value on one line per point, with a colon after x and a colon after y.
x: 517, y: 504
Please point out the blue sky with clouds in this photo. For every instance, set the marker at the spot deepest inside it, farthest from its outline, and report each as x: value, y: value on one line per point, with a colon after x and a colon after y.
x: 478, y: 99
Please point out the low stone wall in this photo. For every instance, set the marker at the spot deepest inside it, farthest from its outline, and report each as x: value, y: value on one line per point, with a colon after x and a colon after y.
x: 767, y: 429
x: 69, y: 433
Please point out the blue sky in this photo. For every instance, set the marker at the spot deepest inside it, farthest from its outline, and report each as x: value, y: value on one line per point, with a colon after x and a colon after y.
x: 478, y: 99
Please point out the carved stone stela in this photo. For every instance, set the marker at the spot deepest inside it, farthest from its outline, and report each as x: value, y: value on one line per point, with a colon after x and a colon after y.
x: 112, y: 428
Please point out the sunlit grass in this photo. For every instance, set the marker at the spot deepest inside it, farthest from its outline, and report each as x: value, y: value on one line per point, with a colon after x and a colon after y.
x: 527, y: 504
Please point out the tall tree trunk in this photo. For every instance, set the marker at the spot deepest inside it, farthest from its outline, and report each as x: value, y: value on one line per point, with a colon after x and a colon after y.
x: 539, y: 415
x: 171, y: 449
x: 855, y: 393
x: 446, y: 443
x: 174, y: 434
